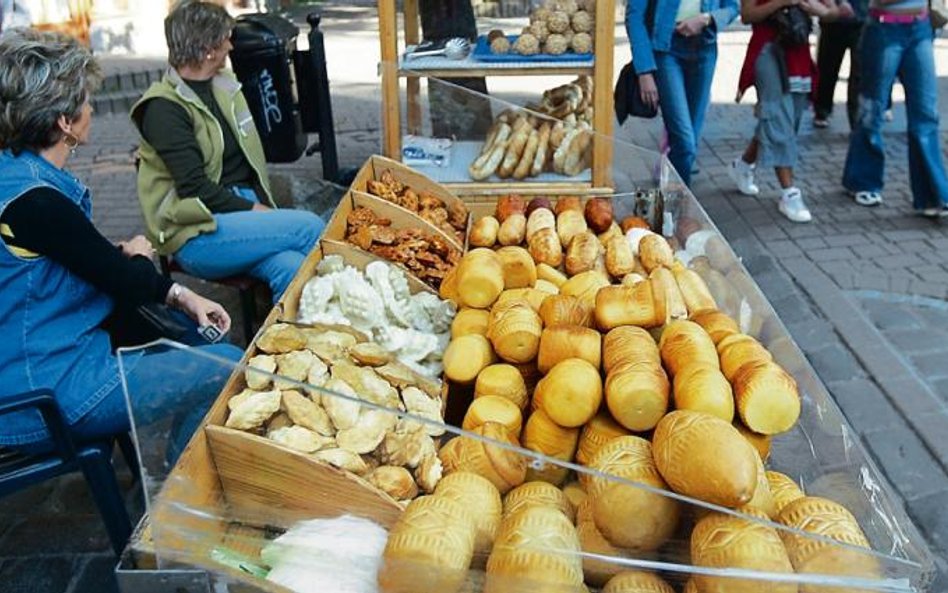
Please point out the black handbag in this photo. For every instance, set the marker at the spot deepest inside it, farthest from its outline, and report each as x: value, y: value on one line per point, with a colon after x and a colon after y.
x: 628, y: 96
x: 133, y: 326
x: 793, y: 25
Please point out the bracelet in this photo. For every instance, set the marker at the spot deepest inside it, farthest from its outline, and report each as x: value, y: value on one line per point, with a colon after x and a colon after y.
x: 174, y: 295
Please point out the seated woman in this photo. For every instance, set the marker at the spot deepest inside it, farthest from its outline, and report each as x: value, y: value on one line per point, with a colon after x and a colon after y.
x: 61, y: 279
x: 202, y: 179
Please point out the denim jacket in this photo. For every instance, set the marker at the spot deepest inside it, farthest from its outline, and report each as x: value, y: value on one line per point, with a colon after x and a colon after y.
x: 49, y: 317
x: 645, y: 39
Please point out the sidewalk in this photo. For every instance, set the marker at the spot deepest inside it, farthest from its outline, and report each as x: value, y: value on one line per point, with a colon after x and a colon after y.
x: 862, y: 291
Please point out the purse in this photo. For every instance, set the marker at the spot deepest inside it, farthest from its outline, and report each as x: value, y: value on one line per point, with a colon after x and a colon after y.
x: 793, y: 25
x: 628, y: 96
x: 129, y: 326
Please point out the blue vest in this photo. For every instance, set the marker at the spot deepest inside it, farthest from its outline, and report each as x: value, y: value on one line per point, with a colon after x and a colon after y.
x: 49, y: 317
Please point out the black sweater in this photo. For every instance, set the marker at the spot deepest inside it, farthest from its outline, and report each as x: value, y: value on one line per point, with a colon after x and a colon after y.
x: 47, y: 223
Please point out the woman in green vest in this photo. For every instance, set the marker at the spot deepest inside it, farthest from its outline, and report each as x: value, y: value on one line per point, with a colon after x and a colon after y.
x: 202, y: 180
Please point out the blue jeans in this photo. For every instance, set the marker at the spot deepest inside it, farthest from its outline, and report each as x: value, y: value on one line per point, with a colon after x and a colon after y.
x: 163, y: 384
x: 887, y: 50
x: 269, y: 245
x: 683, y: 77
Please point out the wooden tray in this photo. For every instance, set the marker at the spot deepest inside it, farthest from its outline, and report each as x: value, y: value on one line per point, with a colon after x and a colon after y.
x: 376, y: 165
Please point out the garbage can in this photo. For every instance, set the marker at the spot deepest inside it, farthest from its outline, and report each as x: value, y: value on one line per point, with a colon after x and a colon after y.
x: 262, y: 58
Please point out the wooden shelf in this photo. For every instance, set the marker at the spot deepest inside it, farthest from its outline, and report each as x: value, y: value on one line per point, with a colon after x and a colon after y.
x: 393, y: 67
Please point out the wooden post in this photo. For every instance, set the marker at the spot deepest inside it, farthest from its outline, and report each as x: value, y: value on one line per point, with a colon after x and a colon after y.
x: 391, y: 108
x: 413, y: 84
x: 602, y: 93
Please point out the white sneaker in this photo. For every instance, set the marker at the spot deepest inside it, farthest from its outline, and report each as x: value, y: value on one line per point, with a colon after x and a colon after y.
x: 793, y: 207
x: 742, y: 174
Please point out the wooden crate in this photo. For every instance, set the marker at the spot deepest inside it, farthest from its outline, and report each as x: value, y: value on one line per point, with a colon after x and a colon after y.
x: 288, y: 305
x: 418, y: 182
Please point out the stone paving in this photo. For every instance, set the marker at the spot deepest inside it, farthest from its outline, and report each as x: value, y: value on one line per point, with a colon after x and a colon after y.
x: 862, y: 292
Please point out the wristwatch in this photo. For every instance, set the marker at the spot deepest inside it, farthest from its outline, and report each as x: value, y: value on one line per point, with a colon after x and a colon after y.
x: 174, y: 295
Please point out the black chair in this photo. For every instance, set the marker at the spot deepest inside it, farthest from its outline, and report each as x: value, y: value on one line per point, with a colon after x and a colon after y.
x: 94, y: 460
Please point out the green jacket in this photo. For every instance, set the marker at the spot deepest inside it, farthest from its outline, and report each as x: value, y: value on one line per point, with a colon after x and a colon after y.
x: 171, y: 220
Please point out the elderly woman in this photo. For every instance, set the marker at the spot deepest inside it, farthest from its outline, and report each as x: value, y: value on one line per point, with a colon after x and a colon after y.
x: 61, y: 279
x: 674, y: 45
x: 203, y: 181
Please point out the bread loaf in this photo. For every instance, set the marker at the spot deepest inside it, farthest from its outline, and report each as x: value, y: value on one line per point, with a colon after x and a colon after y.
x: 694, y: 291
x: 598, y: 572
x: 582, y: 254
x: 585, y: 286
x: 629, y: 344
x: 481, y: 498
x: 429, y: 549
x: 494, y: 408
x: 530, y: 494
x: 628, y: 516
x: 484, y: 232
x: 514, y: 331
x: 704, y: 389
x: 519, y: 269
x: 569, y: 223
x: 565, y: 310
x: 663, y: 280
x: 565, y: 203
x: 717, y: 324
x: 480, y: 278
x: 783, y: 489
x: 513, y: 230
x: 545, y: 248
x: 470, y: 321
x: 637, y: 397
x: 704, y: 457
x: 760, y: 442
x: 823, y: 521
x: 547, y: 287
x: 637, y: 581
x: 626, y: 305
x: 503, y: 380
x: 737, y: 350
x: 655, y: 252
x: 767, y: 398
x: 507, y: 205
x: 570, y: 393
x: 550, y: 274
x: 504, y: 468
x: 448, y: 290
x: 619, y: 258
x: 568, y: 341
x: 763, y: 499
x: 535, y: 298
x: 598, y: 213
x: 466, y: 356
x: 539, y: 219
x: 685, y: 343
x: 538, y: 203
x: 726, y: 541
x: 544, y: 436
x: 598, y: 431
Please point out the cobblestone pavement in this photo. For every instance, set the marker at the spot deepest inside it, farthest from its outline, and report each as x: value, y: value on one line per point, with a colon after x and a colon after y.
x: 862, y: 291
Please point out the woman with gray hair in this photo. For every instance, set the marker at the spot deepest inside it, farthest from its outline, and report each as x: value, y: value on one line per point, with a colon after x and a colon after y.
x: 62, y: 280
x: 202, y: 181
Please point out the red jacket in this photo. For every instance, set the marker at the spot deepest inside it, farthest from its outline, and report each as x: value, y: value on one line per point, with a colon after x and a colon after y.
x: 799, y: 61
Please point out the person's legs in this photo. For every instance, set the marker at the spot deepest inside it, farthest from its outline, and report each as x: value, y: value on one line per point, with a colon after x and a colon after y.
x: 699, y: 74
x: 829, y: 57
x: 174, y: 383
x: 669, y: 78
x: 855, y: 76
x: 245, y: 241
x: 927, y: 175
x: 881, y: 54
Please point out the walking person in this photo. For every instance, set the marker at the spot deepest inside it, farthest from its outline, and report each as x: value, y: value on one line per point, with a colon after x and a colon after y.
x: 836, y: 38
x: 785, y: 77
x: 898, y: 41
x: 674, y: 45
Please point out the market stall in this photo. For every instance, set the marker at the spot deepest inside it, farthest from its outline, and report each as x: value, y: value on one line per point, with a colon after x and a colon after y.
x: 503, y: 387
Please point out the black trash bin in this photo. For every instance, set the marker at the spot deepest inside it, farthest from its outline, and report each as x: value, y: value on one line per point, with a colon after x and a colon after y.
x: 262, y: 58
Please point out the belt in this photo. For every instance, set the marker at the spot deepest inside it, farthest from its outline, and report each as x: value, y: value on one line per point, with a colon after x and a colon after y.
x: 895, y: 18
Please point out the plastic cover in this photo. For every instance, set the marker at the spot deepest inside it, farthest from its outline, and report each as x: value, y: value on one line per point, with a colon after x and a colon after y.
x: 242, y: 506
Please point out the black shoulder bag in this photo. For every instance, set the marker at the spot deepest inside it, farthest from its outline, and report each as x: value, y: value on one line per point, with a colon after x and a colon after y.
x: 627, y: 95
x: 793, y: 25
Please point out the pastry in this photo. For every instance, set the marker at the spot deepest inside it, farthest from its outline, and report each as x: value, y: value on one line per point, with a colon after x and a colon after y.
x: 481, y: 498
x: 544, y: 436
x: 494, y: 408
x: 685, y: 343
x: 565, y: 310
x: 480, y: 278
x: 626, y: 305
x: 539, y: 219
x: 504, y: 468
x: 568, y: 341
x: 513, y: 230
x: 514, y: 331
x: 470, y: 321
x: 767, y: 398
x: 704, y: 389
x: 628, y: 344
x: 597, y: 432
x: 466, y: 356
x: 637, y: 581
x: 582, y: 254
x: 543, y: 148
x: 637, y: 396
x: 484, y: 232
x: 503, y: 380
x: 519, y: 269
x: 530, y: 494
x: 545, y: 248
x: 569, y: 223
x: 570, y: 393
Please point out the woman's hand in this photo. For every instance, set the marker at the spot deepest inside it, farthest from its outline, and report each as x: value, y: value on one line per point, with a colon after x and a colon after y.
x: 137, y: 245
x: 260, y: 208
x: 648, y: 89
x: 693, y: 26
x: 203, y: 311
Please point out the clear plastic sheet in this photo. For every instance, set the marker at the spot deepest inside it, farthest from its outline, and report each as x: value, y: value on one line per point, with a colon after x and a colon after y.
x: 233, y: 493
